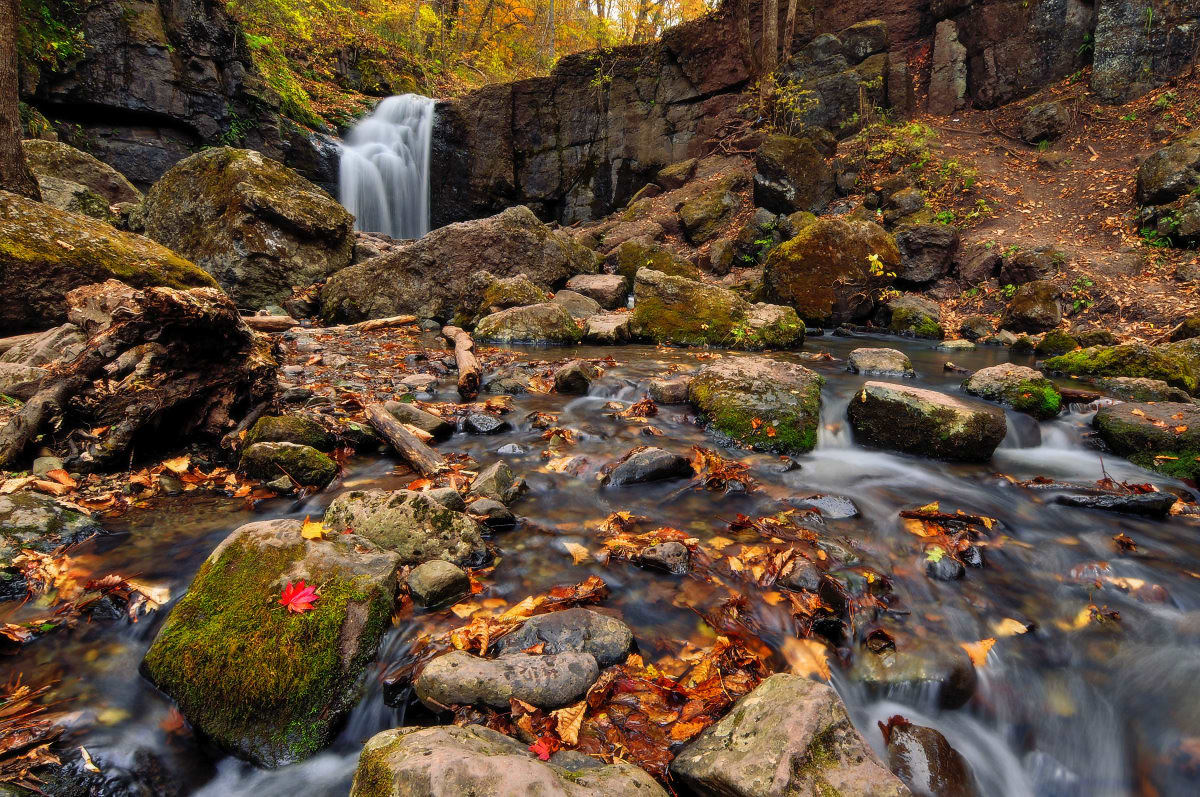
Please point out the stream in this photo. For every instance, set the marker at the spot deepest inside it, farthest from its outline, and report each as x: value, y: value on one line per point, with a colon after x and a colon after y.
x: 1060, y: 710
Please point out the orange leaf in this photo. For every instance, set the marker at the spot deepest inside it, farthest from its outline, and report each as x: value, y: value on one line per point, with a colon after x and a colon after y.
x: 568, y: 721
x: 806, y: 657
x: 978, y: 651
x: 62, y: 477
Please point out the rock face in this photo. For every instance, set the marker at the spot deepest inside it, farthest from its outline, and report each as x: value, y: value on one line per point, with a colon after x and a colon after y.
x: 543, y: 324
x: 429, y: 278
x: 55, y: 159
x: 605, y: 638
x: 763, y: 403
x: 825, y: 272
x: 411, y: 524
x: 648, y: 465
x: 547, y: 681
x: 35, y: 267
x: 269, y: 685
x: 887, y: 362
x: 39, y: 523
x: 1128, y: 359
x: 948, y: 83
x: 789, y: 736
x: 449, y: 760
x: 1136, y: 51
x: 791, y: 175
x: 251, y: 222
x: 1023, y: 389
x: 925, y: 422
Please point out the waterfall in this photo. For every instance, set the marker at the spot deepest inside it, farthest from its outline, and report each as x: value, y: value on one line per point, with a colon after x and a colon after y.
x: 384, y: 171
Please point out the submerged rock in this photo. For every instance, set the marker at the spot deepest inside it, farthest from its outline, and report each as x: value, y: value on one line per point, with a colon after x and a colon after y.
x: 925, y: 422
x: 580, y: 630
x: 673, y: 557
x: 36, y: 522
x: 575, y: 377
x: 888, y: 362
x: 925, y: 669
x: 305, y: 464
x: 269, y: 685
x: 485, y: 423
x: 648, y: 465
x: 790, y: 736
x: 547, y: 681
x: 1022, y: 388
x: 411, y: 524
x: 543, y: 324
x: 926, y: 762
x: 767, y: 404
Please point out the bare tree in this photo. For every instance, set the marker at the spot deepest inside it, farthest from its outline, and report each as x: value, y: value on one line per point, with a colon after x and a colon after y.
x: 14, y: 172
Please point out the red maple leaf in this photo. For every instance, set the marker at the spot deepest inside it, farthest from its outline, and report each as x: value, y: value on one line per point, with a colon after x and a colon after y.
x: 298, y: 597
x: 544, y: 747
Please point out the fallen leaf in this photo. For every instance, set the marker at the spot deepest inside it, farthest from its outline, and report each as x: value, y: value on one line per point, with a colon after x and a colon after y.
x: 88, y: 763
x: 806, y: 657
x: 579, y: 553
x: 62, y: 477
x: 568, y: 721
x: 978, y: 651
x: 312, y: 529
x: 1009, y: 627
x: 178, y: 465
x: 299, y: 597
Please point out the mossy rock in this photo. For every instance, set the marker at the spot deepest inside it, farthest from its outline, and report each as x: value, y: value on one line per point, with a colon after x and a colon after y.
x: 705, y: 215
x: 1054, y: 343
x: 305, y: 464
x: 266, y: 684
x: 1186, y: 329
x: 46, y: 253
x: 74, y: 198
x: 411, y: 524
x: 1033, y: 308
x: 500, y: 293
x: 545, y: 324
x: 1087, y: 338
x: 55, y: 159
x: 915, y: 316
x: 1148, y: 435
x: 1022, y: 388
x: 791, y: 175
x: 1128, y: 359
x: 40, y: 523
x: 924, y: 422
x: 1140, y: 389
x: 635, y: 254
x: 289, y: 429
x: 766, y: 404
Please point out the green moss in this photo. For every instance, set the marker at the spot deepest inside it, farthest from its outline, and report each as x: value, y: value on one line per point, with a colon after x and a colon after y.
x: 289, y: 429
x: 633, y: 255
x: 303, y: 463
x: 1054, y: 343
x: 907, y: 320
x: 711, y: 324
x: 1130, y: 359
x: 794, y: 426
x: 1035, y: 397
x: 1176, y: 464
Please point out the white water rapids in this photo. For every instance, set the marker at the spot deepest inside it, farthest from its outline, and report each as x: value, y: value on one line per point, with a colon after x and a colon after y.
x: 384, y: 172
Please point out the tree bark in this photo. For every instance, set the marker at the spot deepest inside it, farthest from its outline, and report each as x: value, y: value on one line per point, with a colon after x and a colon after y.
x: 424, y: 459
x: 770, y: 46
x: 464, y: 357
x: 789, y: 29
x: 14, y: 171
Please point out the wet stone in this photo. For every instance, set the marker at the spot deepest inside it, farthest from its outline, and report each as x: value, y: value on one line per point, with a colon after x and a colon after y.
x: 482, y: 423
x: 649, y: 465
x: 498, y: 482
x: 546, y: 681
x: 495, y: 514
x: 831, y: 507
x: 803, y: 575
x: 435, y: 425
x: 438, y: 583
x: 670, y: 390
x: 575, y: 377
x: 926, y: 762
x: 578, y: 630
x: 944, y: 568
x: 1155, y: 505
x: 670, y: 556
x: 448, y: 497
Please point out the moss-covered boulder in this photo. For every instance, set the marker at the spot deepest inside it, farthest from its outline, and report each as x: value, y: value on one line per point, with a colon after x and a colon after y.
x: 40, y: 523
x: 1159, y: 436
x: 1021, y: 388
x: 1034, y: 307
x: 271, y: 460
x: 831, y: 270
x: 544, y: 324
x: 924, y: 422
x: 1171, y: 172
x: 412, y: 524
x: 477, y: 760
x: 56, y: 159
x: 638, y: 253
x: 1031, y: 264
x: 579, y: 306
x: 501, y: 293
x: 705, y: 215
x: 914, y: 316
x: 73, y: 197
x: 1128, y: 359
x: 688, y: 312
x: 289, y: 429
x: 1186, y: 329
x: 791, y: 175
x: 264, y: 683
x: 1054, y: 343
x: 46, y: 253
x: 760, y: 402
x: 1128, y: 388
x: 251, y: 222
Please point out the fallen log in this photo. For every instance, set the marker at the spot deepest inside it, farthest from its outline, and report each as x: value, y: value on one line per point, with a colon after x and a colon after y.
x: 424, y: 459
x: 270, y: 323
x: 383, y: 323
x: 17, y: 340
x: 464, y: 357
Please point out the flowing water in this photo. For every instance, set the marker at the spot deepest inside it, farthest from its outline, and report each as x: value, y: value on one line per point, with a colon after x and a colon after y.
x: 384, y: 171
x: 1061, y: 710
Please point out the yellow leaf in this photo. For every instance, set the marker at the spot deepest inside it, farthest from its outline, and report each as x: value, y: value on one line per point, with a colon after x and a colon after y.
x: 179, y: 465
x: 978, y: 651
x: 577, y: 551
x: 88, y: 763
x: 931, y: 508
x: 567, y: 721
x: 806, y: 657
x: 1009, y: 627
x: 464, y: 610
x: 312, y: 529
x: 719, y: 543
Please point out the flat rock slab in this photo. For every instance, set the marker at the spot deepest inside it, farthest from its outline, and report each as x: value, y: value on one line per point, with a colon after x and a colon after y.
x: 1134, y: 428
x: 918, y: 421
x: 610, y: 290
x: 412, y: 524
x: 1156, y: 505
x: 547, y: 681
x: 579, y: 630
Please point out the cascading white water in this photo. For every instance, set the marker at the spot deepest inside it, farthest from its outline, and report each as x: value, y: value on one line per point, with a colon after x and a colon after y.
x: 384, y: 172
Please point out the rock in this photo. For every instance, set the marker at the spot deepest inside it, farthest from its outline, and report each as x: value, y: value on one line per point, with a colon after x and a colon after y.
x: 55, y: 159
x: 1127, y: 359
x: 501, y: 293
x: 675, y: 175
x: 1047, y: 121
x: 36, y: 267
x: 944, y: 568
x: 435, y: 425
x: 682, y: 311
x: 906, y: 206
x: 1171, y: 172
x: 575, y: 377
x: 448, y: 497
x: 833, y: 507
x: 251, y: 222
x: 609, y: 290
x: 976, y: 327
x: 438, y: 583
x: 21, y: 381
x: 608, y: 329
x: 1134, y: 52
x: 549, y: 681
x: 62, y: 343
x: 510, y: 381
x: 476, y: 760
x: 305, y: 464
x: 1146, y: 434
x: 670, y: 556
x: 803, y: 575
x: 73, y: 197
x: 1087, y: 338
x: 789, y: 736
x: 1154, y: 505
x: 977, y: 264
x: 1023, y: 389
x: 926, y: 253
x: 579, y: 306
x: 955, y: 345
x: 36, y: 522
x: 1185, y: 329
x: 1054, y: 343
x: 925, y: 422
x: 638, y: 253
x: 913, y: 315
x: 498, y: 482
x: 494, y: 514
x: 411, y: 524
x: 926, y: 762
x: 648, y: 465
x: 948, y: 82
x: 43, y: 465
x: 880, y: 361
x: 429, y: 278
x: 791, y: 175
x: 825, y: 271
x: 705, y: 215
x: 1031, y: 264
x: 543, y: 324
x: 577, y: 630
x: 1129, y: 388
x: 484, y: 423
x: 289, y: 429
x: 1033, y: 308
x: 268, y: 685
x: 767, y: 404
x: 670, y: 390
x: 940, y: 669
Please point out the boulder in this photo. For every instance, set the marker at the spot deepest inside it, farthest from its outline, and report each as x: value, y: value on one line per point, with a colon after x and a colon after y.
x: 705, y: 215
x: 608, y: 328
x: 1128, y: 388
x: 976, y: 264
x: 575, y: 377
x: 937, y: 668
x: 452, y: 760
x: 547, y: 681
x: 670, y: 390
x: 1033, y: 308
x: 498, y: 482
x: 885, y: 362
x: 1046, y: 121
x: 791, y: 175
x: 682, y: 311
x: 643, y: 465
x: 976, y: 327
x: 918, y: 421
x: 73, y: 197
x: 305, y: 464
x: 484, y: 423
x: 906, y: 207
x: 1023, y: 389
x: 1171, y: 172
x: 251, y: 222
x: 609, y: 290
x: 948, y: 81
x: 21, y: 381
x: 1054, y: 343
x: 410, y: 524
x: 37, y: 267
x: 1160, y: 436
x: 55, y: 159
x: 915, y: 316
x: 926, y: 253
x: 790, y: 736
x: 826, y: 271
x: 438, y: 583
x: 427, y: 422
x: 39, y: 523
x: 430, y: 277
x: 543, y: 324
x: 638, y: 253
x: 501, y: 293
x: 675, y: 175
x: 1031, y: 264
x: 262, y: 682
x: 579, y: 306
x: 767, y: 404
x: 1128, y: 359
x: 578, y: 630
x: 926, y: 762
x: 289, y: 429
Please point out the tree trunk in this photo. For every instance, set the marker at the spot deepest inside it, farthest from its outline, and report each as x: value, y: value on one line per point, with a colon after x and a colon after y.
x: 464, y: 357
x: 770, y: 46
x: 14, y: 172
x: 424, y: 459
x: 789, y: 29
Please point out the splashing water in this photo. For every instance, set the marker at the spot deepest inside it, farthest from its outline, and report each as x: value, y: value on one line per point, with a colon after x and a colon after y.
x: 384, y: 170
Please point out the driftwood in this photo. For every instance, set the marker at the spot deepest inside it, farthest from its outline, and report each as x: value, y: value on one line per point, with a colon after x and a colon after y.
x: 17, y: 340
x: 383, y: 323
x: 270, y: 323
x: 468, y: 363
x: 426, y: 461
x: 1074, y: 395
